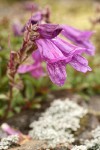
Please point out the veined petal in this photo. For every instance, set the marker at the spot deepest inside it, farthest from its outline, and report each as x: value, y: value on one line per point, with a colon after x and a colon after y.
x: 49, y: 52
x: 49, y: 31
x: 90, y: 47
x: 35, y: 69
x: 77, y: 61
x: 67, y: 48
x: 36, y: 56
x: 70, y: 32
x: 75, y: 34
x: 25, y: 68
x: 80, y: 38
x: 57, y: 72
x: 38, y: 72
x: 80, y: 64
x: 84, y: 35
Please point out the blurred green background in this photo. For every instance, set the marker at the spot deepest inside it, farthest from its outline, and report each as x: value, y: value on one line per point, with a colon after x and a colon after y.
x: 76, y: 13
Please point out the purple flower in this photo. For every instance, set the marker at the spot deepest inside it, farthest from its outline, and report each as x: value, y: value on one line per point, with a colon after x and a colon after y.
x: 80, y: 38
x: 9, y: 130
x: 35, y: 69
x: 77, y: 62
x: 46, y: 31
x: 49, y: 31
x: 57, y: 53
x: 54, y: 59
x: 57, y: 72
x: 36, y: 18
x: 42, y: 16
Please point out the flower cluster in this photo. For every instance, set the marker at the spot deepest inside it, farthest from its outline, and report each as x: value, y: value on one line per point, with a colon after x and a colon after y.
x: 56, y: 51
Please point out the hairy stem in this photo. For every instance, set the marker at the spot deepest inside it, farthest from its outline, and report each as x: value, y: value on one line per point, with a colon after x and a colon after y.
x: 16, y: 59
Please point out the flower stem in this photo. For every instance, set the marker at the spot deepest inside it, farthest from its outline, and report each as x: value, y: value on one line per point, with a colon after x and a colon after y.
x: 16, y: 59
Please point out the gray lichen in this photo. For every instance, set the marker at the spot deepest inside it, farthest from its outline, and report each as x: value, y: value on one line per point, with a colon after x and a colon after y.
x: 8, y: 142
x: 81, y: 147
x: 57, y: 124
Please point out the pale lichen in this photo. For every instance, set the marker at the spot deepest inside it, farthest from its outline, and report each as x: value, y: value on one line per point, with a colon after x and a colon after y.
x: 57, y: 124
x: 8, y: 142
x: 81, y: 147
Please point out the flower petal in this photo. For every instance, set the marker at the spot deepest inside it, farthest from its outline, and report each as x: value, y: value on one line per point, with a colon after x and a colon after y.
x: 77, y: 61
x: 49, y: 52
x: 90, y: 47
x: 38, y: 72
x: 49, y: 31
x: 36, y: 56
x: 57, y: 73
x: 35, y: 69
x: 37, y: 17
x: 26, y: 68
x: 80, y: 64
x: 80, y: 38
x: 84, y: 35
x: 68, y: 48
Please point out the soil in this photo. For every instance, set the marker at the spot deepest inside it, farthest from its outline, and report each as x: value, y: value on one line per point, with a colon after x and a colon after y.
x: 31, y: 145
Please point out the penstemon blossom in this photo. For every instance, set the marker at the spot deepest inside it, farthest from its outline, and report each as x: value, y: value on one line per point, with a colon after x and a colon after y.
x: 40, y: 16
x: 35, y: 69
x: 80, y: 38
x: 56, y: 53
